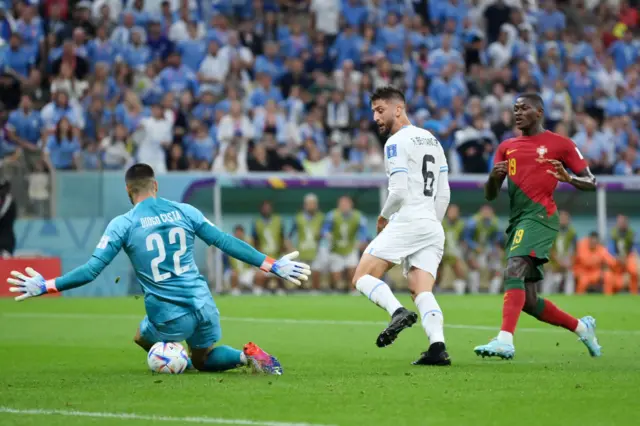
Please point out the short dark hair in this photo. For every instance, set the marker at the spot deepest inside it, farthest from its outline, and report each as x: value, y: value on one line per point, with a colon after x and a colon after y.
x: 534, y: 98
x: 139, y: 178
x: 387, y: 93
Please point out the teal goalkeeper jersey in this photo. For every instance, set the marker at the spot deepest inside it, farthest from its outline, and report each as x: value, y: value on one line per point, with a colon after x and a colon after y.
x: 158, y: 235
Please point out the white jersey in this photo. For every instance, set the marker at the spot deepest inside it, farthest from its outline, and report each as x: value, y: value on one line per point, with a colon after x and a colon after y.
x: 418, y: 153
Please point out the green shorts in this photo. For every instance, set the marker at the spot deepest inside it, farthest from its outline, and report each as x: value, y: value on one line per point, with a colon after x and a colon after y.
x: 532, y: 239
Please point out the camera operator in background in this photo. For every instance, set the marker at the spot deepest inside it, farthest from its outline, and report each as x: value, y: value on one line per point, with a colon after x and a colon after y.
x: 8, y: 214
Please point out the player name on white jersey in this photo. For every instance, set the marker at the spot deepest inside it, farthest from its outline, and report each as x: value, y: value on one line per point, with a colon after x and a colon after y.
x: 149, y: 221
x: 419, y: 154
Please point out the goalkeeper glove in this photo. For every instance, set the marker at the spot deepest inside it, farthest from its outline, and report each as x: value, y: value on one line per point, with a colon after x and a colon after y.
x: 30, y: 286
x: 287, y: 269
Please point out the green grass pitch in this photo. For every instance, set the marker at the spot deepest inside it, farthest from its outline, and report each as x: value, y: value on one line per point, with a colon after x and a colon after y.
x: 63, y: 358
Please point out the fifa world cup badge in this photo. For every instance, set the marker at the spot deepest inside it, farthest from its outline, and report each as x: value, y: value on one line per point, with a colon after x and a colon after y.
x: 542, y: 150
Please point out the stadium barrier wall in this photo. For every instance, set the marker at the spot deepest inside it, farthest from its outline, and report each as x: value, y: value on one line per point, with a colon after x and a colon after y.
x: 85, y: 202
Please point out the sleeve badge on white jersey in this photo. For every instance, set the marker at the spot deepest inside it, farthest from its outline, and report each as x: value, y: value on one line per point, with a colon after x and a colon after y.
x: 392, y: 150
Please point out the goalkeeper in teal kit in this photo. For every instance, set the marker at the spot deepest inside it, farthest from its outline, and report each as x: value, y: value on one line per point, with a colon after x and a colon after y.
x: 158, y: 236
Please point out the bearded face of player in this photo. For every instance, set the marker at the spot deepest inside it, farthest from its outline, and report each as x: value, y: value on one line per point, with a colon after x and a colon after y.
x: 385, y: 114
x: 526, y: 114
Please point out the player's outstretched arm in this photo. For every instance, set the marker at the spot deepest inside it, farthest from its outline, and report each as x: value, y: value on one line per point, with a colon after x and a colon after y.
x: 285, y: 267
x: 584, y: 180
x: 33, y: 284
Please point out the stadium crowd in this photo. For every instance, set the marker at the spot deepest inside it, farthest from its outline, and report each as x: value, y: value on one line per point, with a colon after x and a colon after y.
x: 282, y: 85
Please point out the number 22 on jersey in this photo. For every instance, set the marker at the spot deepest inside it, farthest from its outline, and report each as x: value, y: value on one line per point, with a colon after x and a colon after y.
x: 155, y: 242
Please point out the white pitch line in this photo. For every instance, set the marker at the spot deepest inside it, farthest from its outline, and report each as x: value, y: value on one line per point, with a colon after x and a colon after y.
x: 134, y: 416
x: 298, y: 322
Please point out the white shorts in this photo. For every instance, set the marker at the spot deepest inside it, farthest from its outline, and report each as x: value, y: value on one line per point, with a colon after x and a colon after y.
x: 339, y: 263
x: 419, y: 244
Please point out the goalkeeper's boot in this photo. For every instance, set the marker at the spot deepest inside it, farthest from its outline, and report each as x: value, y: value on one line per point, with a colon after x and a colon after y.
x: 496, y: 348
x: 589, y: 336
x: 402, y: 318
x: 435, y: 355
x: 261, y: 361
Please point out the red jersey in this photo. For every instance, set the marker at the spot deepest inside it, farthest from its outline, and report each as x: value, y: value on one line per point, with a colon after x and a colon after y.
x: 530, y: 186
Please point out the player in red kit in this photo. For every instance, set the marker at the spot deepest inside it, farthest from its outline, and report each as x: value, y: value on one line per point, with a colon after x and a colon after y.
x: 533, y: 164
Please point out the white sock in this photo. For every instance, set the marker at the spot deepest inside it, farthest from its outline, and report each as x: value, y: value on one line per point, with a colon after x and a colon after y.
x: 474, y: 281
x: 580, y: 329
x: 495, y: 284
x: 432, y: 318
x: 379, y: 293
x: 459, y: 286
x: 505, y: 337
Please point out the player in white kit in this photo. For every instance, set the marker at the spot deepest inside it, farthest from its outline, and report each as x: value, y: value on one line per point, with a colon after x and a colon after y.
x: 409, y: 227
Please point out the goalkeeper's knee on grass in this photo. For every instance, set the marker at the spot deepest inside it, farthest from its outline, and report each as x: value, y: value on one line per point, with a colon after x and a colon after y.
x: 220, y: 358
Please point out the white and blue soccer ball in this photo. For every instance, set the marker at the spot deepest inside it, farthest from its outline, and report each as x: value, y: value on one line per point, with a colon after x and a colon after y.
x: 167, y: 358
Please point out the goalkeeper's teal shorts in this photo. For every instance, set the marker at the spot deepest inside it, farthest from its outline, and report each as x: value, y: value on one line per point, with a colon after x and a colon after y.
x: 201, y: 329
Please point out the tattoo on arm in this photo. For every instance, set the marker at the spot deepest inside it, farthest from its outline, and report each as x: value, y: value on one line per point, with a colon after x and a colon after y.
x: 584, y: 181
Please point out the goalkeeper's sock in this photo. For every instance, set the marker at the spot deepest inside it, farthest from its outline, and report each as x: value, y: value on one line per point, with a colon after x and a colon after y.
x: 547, y: 311
x: 432, y: 318
x: 512, y: 305
x: 379, y: 293
x: 223, y: 358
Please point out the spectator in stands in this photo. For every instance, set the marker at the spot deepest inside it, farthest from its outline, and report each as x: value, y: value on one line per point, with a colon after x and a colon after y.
x: 270, y: 121
x: 475, y: 144
x: 595, y: 146
x: 156, y: 139
x: 200, y: 147
x: 259, y: 161
x: 115, y: 148
x: 235, y: 126
x: 230, y: 162
x: 62, y: 148
x: 628, y: 164
x: 24, y: 127
x: 69, y: 57
x: 213, y: 69
x: 19, y: 58
x: 496, y: 15
x: 313, y: 74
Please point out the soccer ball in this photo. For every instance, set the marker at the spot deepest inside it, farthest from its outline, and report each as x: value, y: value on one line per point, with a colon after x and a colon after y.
x: 167, y: 358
